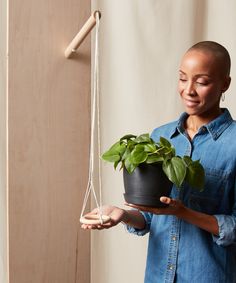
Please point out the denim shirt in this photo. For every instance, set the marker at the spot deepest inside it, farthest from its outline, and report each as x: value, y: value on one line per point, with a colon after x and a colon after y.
x: 179, y: 251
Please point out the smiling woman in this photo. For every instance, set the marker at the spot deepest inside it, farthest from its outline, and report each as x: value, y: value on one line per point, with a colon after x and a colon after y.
x: 201, y: 84
x: 208, y: 218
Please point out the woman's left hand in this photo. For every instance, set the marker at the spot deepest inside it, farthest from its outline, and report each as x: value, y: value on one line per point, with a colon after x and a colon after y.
x: 174, y: 207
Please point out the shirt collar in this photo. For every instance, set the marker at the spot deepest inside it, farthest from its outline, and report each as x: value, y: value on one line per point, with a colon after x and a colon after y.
x: 215, y: 127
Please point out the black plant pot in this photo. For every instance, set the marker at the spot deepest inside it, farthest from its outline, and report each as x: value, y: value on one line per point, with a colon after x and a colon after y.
x: 146, y: 185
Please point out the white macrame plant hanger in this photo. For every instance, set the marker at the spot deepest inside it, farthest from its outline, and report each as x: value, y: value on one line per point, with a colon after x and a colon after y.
x: 98, y: 218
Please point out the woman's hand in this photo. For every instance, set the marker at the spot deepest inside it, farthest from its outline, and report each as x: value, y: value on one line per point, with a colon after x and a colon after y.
x: 175, y: 207
x: 116, y: 215
x: 131, y: 217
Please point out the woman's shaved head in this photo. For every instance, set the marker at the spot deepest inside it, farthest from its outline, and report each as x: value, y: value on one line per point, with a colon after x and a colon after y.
x: 218, y: 51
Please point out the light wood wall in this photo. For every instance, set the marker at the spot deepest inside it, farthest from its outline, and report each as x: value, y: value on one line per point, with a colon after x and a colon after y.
x: 49, y: 112
x: 3, y: 141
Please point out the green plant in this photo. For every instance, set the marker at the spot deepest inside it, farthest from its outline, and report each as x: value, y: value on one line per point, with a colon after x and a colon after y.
x: 131, y: 151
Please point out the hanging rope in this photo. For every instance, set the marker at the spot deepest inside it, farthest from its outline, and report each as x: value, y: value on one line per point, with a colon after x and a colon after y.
x: 95, y: 113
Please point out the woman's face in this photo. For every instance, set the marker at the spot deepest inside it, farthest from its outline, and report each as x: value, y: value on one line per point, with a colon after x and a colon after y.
x: 201, y: 83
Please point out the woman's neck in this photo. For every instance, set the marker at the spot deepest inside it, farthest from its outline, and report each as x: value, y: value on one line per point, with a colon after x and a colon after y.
x: 195, y: 122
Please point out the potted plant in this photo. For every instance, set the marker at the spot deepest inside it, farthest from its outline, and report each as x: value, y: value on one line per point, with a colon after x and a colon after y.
x: 151, y: 168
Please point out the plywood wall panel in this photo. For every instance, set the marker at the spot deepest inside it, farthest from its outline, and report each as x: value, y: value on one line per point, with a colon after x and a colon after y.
x: 49, y: 101
x: 3, y: 141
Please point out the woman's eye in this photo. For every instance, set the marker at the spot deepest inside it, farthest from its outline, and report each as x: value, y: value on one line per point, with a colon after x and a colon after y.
x: 182, y: 80
x: 201, y: 83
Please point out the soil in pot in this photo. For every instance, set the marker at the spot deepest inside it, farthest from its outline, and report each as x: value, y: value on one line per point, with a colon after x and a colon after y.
x: 146, y: 185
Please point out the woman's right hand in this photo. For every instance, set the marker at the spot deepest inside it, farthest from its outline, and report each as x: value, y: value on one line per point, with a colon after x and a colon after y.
x: 116, y: 215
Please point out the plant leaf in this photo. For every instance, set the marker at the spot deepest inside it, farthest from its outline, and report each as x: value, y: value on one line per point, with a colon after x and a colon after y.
x: 195, y: 176
x: 168, y: 153
x: 116, y: 164
x: 187, y: 160
x: 175, y: 170
x: 116, y: 147
x: 154, y: 158
x: 164, y: 142
x: 129, y: 165
x: 114, y: 153
x: 128, y: 137
x: 149, y: 147
x: 143, y: 138
x: 138, y: 155
x: 126, y: 154
x: 111, y: 156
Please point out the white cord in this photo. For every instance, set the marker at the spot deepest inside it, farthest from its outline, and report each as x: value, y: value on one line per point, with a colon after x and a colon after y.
x: 95, y: 113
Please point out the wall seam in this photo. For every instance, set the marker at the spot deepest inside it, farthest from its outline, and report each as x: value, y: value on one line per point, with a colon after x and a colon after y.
x: 7, y: 141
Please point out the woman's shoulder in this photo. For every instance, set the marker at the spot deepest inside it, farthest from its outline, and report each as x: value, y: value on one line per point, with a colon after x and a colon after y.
x: 233, y: 125
x: 231, y: 129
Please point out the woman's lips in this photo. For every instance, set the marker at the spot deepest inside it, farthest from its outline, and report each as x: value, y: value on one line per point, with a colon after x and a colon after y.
x: 191, y: 103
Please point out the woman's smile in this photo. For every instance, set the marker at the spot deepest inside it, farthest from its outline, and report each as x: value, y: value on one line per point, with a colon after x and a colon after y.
x: 190, y: 102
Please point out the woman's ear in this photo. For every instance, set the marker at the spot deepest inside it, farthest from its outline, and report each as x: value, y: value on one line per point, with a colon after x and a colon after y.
x: 226, y: 84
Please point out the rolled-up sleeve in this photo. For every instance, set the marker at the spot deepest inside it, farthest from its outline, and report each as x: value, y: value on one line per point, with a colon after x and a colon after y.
x: 227, y: 230
x: 141, y: 232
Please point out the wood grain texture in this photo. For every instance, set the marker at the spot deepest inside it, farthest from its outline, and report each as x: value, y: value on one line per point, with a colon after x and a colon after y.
x: 49, y: 102
x: 3, y: 141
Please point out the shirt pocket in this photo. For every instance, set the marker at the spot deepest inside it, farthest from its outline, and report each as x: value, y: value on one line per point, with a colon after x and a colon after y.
x: 209, y: 199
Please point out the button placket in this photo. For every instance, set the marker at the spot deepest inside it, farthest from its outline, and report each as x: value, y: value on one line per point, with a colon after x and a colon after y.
x: 173, y: 251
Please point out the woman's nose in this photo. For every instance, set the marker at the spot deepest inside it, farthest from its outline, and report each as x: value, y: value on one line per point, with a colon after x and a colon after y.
x: 190, y: 90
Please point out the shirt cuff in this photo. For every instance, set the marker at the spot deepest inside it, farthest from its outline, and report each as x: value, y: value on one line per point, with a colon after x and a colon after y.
x: 227, y: 230
x: 140, y: 232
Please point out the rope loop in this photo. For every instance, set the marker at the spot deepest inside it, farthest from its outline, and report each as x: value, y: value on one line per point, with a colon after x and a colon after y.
x: 95, y: 117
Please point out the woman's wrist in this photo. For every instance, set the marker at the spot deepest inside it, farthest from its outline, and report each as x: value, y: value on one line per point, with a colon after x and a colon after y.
x: 126, y: 217
x: 133, y: 218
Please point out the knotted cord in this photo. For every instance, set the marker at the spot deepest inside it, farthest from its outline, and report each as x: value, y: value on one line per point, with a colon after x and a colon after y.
x: 95, y: 128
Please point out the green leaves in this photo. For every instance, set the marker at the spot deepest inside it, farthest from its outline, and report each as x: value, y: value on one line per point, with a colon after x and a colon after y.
x: 154, y: 158
x: 164, y: 142
x: 195, y: 176
x: 143, y: 139
x: 131, y: 151
x: 138, y: 155
x: 175, y: 170
x: 114, y: 153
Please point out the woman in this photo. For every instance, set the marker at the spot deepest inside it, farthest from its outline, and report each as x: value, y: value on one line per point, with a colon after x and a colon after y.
x: 194, y: 238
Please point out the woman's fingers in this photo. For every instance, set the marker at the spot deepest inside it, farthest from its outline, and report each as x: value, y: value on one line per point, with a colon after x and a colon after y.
x: 142, y: 208
x: 114, y: 214
x: 167, y: 200
x: 172, y: 206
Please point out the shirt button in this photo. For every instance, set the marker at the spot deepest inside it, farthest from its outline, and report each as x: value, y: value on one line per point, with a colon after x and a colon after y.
x: 174, y: 238
x: 203, y: 129
x: 171, y: 267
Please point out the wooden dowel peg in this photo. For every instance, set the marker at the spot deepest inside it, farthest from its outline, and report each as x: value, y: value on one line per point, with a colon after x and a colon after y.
x: 82, y: 34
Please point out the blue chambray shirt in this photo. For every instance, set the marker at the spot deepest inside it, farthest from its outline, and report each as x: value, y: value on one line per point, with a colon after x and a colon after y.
x: 181, y: 252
